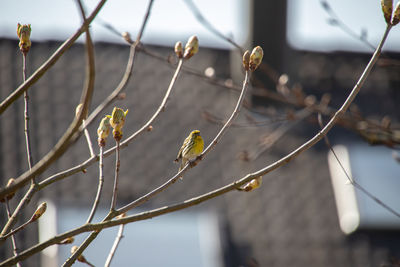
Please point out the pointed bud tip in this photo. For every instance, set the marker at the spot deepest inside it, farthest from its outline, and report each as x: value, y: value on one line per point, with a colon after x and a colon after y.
x: 191, y: 47
x: 179, y: 49
x: 256, y: 58
x: 39, y: 211
x: 387, y: 8
x: 246, y: 60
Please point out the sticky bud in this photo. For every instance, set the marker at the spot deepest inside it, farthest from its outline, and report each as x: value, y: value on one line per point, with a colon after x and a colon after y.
x: 117, y: 121
x: 78, y: 109
x: 103, y: 131
x: 117, y: 118
x: 68, y: 240
x: 39, y: 211
x: 396, y: 14
x: 191, y: 47
x: 387, y: 8
x: 127, y: 37
x: 246, y: 60
x: 179, y: 49
x: 10, y: 182
x: 24, y: 35
x: 253, y: 184
x: 256, y: 58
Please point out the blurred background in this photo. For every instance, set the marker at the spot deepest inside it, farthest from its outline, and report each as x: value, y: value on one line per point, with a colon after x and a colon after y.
x: 304, y: 214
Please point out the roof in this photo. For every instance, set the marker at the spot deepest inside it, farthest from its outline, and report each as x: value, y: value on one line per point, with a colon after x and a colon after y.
x: 290, y: 221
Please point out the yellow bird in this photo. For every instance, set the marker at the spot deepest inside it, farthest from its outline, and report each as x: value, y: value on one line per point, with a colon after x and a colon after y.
x: 192, y: 147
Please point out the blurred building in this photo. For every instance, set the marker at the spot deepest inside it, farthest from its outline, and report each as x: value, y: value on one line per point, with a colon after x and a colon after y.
x: 291, y: 220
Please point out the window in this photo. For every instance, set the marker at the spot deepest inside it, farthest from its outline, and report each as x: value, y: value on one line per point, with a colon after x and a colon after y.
x: 377, y: 172
x: 177, y: 239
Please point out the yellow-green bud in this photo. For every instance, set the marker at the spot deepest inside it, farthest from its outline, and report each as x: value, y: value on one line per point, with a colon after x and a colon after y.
x: 396, y: 14
x: 246, y: 60
x: 117, y: 121
x: 24, y: 35
x: 256, y: 58
x: 103, y: 131
x: 191, y: 47
x: 387, y: 8
x: 179, y: 49
x: 39, y: 211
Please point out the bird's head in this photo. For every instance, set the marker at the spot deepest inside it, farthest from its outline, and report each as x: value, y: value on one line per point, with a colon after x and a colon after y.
x: 195, y: 133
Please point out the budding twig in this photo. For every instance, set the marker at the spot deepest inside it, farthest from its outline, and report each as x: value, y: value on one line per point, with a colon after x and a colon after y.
x: 38, y: 213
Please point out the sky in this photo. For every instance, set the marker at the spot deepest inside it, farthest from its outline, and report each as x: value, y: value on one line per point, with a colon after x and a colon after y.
x: 172, y: 20
x: 308, y: 26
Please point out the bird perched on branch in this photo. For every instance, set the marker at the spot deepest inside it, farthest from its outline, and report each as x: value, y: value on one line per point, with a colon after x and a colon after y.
x: 191, y: 148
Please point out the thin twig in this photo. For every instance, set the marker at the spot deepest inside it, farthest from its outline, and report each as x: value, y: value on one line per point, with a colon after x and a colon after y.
x: 351, y: 179
x: 115, y: 245
x: 51, y: 61
x: 99, y: 187
x: 209, y: 26
x: 336, y: 21
x: 26, y: 118
x: 116, y: 177
x: 13, y: 218
x: 19, y: 228
x: 14, y: 242
x: 88, y: 140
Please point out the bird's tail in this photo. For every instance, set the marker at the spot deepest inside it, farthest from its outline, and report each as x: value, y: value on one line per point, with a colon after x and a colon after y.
x: 183, y: 163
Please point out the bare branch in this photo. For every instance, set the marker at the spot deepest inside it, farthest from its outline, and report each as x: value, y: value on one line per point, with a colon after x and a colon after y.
x: 116, y: 243
x: 99, y: 187
x: 88, y: 140
x: 116, y: 176
x: 13, y: 218
x: 26, y: 118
